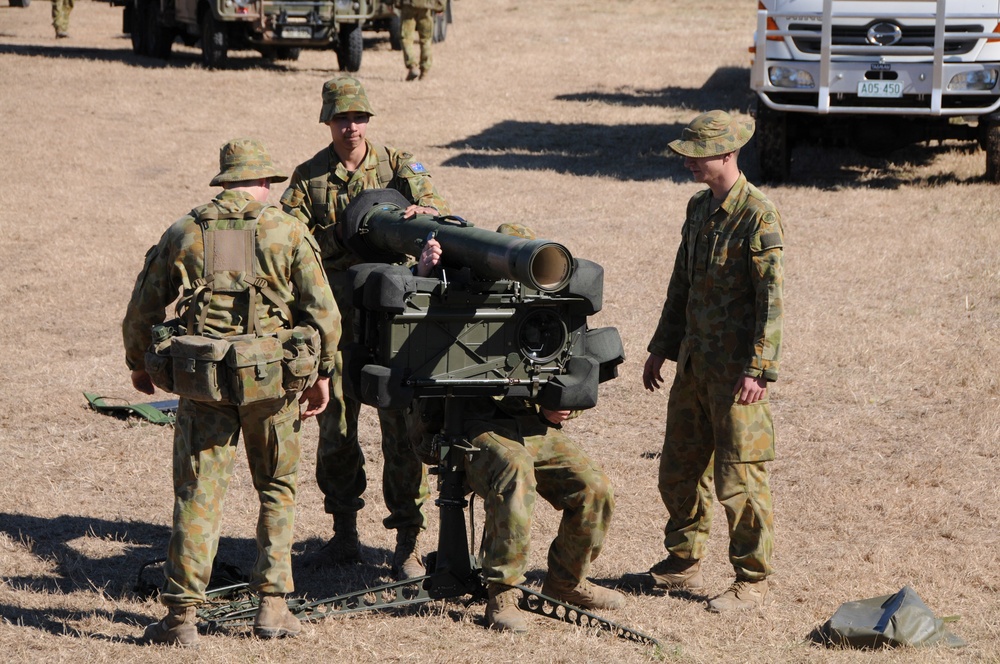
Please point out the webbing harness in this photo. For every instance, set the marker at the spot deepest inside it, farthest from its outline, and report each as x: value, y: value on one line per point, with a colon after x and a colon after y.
x: 319, y: 185
x: 229, y: 266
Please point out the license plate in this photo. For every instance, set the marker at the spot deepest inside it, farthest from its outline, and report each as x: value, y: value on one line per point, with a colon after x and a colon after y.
x: 297, y: 33
x: 884, y: 89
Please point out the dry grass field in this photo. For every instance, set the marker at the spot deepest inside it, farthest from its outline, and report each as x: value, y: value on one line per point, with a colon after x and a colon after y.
x: 555, y: 113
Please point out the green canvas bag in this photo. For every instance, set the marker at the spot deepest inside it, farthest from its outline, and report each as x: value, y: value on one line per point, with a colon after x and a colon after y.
x: 900, y: 619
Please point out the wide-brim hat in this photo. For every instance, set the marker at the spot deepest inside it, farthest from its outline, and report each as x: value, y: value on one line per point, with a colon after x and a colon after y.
x: 712, y: 134
x: 244, y: 160
x: 344, y: 94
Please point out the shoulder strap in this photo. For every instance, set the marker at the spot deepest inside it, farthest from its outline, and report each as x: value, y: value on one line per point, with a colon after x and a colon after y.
x: 383, y: 170
x: 319, y: 185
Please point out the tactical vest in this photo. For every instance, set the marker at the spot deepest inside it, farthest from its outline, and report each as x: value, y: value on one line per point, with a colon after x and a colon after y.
x: 319, y: 184
x: 239, y: 369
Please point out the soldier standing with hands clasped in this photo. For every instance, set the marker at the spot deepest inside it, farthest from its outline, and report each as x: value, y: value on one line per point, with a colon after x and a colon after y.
x: 246, y: 272
x: 319, y: 191
x: 721, y: 324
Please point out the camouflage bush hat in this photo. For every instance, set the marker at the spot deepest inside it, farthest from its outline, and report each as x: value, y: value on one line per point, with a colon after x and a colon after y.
x: 344, y: 94
x: 711, y: 134
x: 517, y: 230
x: 243, y: 160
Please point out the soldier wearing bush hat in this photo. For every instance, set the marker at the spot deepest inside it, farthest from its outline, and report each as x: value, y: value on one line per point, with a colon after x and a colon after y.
x: 243, y: 269
x: 721, y: 324
x: 319, y: 191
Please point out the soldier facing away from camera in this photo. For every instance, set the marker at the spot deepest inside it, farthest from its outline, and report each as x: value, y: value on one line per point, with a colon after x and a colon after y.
x: 319, y: 191
x: 242, y: 269
x: 417, y: 16
x: 721, y: 324
x: 60, y: 17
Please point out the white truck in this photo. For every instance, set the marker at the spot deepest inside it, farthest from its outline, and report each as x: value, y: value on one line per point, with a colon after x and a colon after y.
x: 875, y: 74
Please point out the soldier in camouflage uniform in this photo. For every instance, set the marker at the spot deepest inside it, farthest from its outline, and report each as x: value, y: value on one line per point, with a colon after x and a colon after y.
x: 418, y: 16
x: 721, y: 324
x: 319, y: 191
x: 60, y: 17
x: 523, y: 453
x: 287, y: 259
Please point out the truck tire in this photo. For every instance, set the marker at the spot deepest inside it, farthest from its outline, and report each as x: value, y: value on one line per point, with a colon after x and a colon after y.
x: 773, y: 148
x: 159, y: 38
x: 396, y: 32
x: 20, y: 3
x: 214, y: 45
x: 288, y: 53
x: 350, y: 47
x: 990, y: 140
x: 137, y: 27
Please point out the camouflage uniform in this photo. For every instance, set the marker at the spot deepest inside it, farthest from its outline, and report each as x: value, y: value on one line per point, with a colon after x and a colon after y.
x: 206, y: 434
x: 340, y: 464
x: 60, y: 16
x: 520, y: 456
x: 417, y: 16
x: 721, y: 320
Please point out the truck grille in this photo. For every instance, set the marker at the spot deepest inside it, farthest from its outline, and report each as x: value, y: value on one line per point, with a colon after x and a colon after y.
x: 914, y: 35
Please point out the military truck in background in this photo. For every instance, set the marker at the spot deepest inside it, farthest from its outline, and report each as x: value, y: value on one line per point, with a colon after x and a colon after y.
x: 278, y: 29
x: 875, y: 74
x: 385, y: 18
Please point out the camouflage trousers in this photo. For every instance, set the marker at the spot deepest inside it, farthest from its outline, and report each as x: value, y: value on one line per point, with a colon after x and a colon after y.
x: 421, y: 21
x: 340, y: 462
x: 712, y: 440
x: 205, y: 439
x: 60, y: 14
x: 508, y: 472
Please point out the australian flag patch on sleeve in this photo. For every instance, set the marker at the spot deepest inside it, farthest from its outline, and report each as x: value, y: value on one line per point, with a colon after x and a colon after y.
x: 417, y: 167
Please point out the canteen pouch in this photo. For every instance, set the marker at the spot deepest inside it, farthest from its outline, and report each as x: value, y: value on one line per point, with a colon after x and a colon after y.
x: 158, y: 363
x: 198, y: 367
x: 300, y: 364
x: 254, y: 368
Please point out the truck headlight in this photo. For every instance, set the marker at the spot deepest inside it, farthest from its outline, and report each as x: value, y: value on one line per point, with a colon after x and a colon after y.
x: 981, y: 79
x: 787, y: 77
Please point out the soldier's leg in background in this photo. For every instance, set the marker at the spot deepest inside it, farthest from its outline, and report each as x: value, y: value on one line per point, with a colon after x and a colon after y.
x: 425, y: 30
x: 340, y: 463
x: 744, y: 441
x: 404, y: 478
x: 501, y: 473
x: 271, y: 433
x: 569, y: 480
x: 685, y: 474
x: 407, y: 28
x: 205, y: 437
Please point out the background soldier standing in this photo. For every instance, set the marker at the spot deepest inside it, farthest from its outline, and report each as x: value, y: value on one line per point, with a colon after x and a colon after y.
x: 285, y: 267
x: 60, y: 17
x: 418, y: 16
x: 721, y: 323
x: 319, y: 191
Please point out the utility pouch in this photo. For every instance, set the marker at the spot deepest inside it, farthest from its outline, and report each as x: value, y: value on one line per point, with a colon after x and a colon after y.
x: 300, y: 346
x: 254, y: 368
x: 198, y: 367
x: 158, y: 363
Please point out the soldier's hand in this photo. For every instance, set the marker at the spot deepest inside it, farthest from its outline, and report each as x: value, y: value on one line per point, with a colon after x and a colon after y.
x: 556, y: 416
x: 652, y: 379
x: 414, y: 210
x: 430, y: 256
x: 316, y: 397
x: 142, y: 382
x: 750, y: 390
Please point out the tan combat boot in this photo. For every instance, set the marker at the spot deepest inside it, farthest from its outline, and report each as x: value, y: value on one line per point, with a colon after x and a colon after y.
x: 502, y: 612
x: 178, y: 627
x: 274, y: 620
x: 343, y: 547
x: 585, y: 594
x: 406, y: 562
x: 413, y: 74
x: 742, y: 595
x: 674, y: 573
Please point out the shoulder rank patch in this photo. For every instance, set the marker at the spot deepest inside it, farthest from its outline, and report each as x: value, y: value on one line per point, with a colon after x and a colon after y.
x: 770, y: 241
x: 417, y: 167
x: 768, y: 218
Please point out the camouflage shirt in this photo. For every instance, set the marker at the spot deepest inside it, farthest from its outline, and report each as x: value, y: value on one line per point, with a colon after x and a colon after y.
x: 383, y: 167
x: 287, y: 258
x: 723, y: 308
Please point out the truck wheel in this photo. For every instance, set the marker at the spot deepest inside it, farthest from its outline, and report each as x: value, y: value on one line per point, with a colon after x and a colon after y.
x: 20, y: 3
x: 991, y: 144
x: 290, y: 53
x: 159, y: 38
x: 774, y: 152
x: 137, y: 27
x: 214, y: 50
x: 396, y: 32
x: 350, y: 47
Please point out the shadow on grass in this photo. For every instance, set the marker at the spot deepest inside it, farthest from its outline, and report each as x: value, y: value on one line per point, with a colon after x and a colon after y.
x: 58, y: 621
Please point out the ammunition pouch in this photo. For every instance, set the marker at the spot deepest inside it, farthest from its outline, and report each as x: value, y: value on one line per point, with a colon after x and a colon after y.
x: 198, y: 369
x: 254, y: 369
